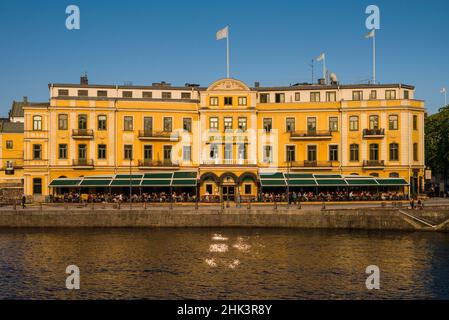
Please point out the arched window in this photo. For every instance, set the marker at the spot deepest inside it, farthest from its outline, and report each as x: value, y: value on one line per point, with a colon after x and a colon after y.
x: 374, y: 174
x: 394, y: 152
x: 394, y: 175
x: 354, y: 174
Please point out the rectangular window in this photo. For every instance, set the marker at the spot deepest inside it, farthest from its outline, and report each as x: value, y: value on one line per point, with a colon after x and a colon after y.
x: 62, y: 151
x: 82, y: 121
x: 242, y: 151
x: 83, y: 93
x: 315, y: 97
x: 37, y: 186
x: 101, y: 151
x: 353, y: 123
x: 390, y: 94
x: 297, y: 96
x: 228, y: 101
x: 227, y: 121
x: 248, y: 189
x: 415, y: 152
x: 268, y: 154
x: 311, y: 125
x: 128, y: 151
x: 406, y: 94
x: 167, y: 153
x: 168, y: 124
x: 331, y: 96
x: 311, y: 153
x: 37, y: 151
x: 147, y: 94
x: 213, y: 123
x: 357, y: 95
x: 148, y: 152
x: 290, y: 124
x: 267, y: 124
x: 242, y: 101
x: 166, y: 95
x: 37, y: 123
x: 394, y: 152
x: 102, y: 122
x: 393, y: 122
x: 290, y: 155
x: 209, y: 188
x: 127, y: 94
x: 128, y: 123
x: 82, y: 151
x: 373, y: 122
x: 279, y: 98
x: 374, y: 152
x: 373, y: 95
x: 333, y: 124
x: 185, y: 95
x: 264, y: 98
x: 9, y: 144
x: 354, y: 152
x: 148, y: 126
x: 187, y: 153
x: 102, y: 93
x: 333, y: 153
x: 213, y: 101
x: 187, y: 124
x: 63, y: 92
x: 228, y: 151
x: 213, y: 153
x: 242, y: 125
x: 63, y: 121
x: 415, y: 122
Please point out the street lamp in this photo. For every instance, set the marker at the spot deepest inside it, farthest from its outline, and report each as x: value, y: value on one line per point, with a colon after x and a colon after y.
x: 130, y: 182
x: 443, y: 91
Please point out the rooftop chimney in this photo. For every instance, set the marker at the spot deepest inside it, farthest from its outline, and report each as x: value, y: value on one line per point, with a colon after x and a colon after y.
x: 257, y: 84
x: 84, y: 80
x: 25, y: 99
x: 322, y: 81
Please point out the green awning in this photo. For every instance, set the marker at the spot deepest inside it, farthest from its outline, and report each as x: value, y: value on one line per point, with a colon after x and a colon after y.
x: 65, y: 182
x: 299, y: 175
x: 392, y: 182
x: 184, y: 183
x: 156, y: 183
x: 125, y: 182
x: 331, y: 182
x: 185, y: 175
x: 327, y: 176
x: 272, y: 182
x: 272, y: 175
x: 158, y: 175
x: 361, y: 182
x: 95, y: 183
x: 127, y: 176
x: 302, y: 182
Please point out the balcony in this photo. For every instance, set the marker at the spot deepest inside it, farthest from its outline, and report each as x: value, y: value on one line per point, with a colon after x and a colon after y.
x: 158, y: 135
x: 373, y: 133
x: 311, y: 135
x: 307, y: 164
x: 145, y: 164
x: 82, y: 134
x: 83, y: 163
x: 228, y: 162
x: 373, y: 164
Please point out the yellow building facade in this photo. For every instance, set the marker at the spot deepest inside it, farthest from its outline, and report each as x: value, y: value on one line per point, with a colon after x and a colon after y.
x: 229, y: 134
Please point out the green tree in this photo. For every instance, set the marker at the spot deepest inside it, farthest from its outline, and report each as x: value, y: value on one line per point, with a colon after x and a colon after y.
x: 437, y: 142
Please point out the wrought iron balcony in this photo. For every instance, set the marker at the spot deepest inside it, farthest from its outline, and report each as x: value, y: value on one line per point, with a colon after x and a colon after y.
x: 158, y: 135
x: 89, y: 163
x: 312, y: 164
x: 373, y: 133
x: 157, y: 163
x: 82, y: 133
x: 373, y: 164
x: 311, y: 134
x: 228, y: 162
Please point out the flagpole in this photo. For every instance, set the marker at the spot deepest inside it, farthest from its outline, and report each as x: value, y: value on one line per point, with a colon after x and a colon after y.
x: 324, y: 69
x: 227, y: 55
x: 374, y: 57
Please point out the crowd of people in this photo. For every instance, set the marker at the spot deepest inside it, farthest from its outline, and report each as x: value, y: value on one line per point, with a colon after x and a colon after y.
x: 161, y: 197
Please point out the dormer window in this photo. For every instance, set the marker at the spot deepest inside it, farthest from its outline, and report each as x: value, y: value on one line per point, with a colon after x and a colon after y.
x: 264, y: 98
x: 279, y: 97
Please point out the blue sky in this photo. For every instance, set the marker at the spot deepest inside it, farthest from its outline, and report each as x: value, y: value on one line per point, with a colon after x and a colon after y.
x: 271, y: 42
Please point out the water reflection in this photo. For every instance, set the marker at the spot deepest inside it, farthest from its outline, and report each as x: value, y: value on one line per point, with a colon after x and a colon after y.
x: 222, y: 264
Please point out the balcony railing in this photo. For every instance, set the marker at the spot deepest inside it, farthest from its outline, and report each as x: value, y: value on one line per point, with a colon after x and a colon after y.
x: 228, y: 162
x: 82, y: 133
x: 373, y: 163
x: 158, y: 135
x: 311, y: 134
x: 157, y: 163
x: 373, y: 133
x: 312, y: 164
x: 83, y: 162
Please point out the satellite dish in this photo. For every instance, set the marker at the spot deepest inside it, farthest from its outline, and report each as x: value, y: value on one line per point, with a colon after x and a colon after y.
x: 333, y: 77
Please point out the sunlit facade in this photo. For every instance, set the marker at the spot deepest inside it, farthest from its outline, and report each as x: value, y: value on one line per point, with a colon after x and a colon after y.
x: 228, y: 133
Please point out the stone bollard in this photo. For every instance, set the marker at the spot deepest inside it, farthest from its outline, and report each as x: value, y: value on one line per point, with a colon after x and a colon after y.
x: 66, y: 205
x: 248, y: 206
x: 118, y: 205
x: 15, y: 205
x: 196, y: 205
x: 40, y: 207
x: 299, y: 205
x: 323, y: 206
x: 383, y: 204
x: 171, y: 205
x: 227, y: 204
x: 275, y: 206
x: 144, y: 205
x: 93, y: 206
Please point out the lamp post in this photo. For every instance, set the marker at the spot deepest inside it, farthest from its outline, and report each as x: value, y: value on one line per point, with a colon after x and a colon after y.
x: 289, y: 160
x: 130, y: 182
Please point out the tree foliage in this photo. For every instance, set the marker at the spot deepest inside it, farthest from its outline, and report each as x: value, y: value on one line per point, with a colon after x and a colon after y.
x: 437, y: 142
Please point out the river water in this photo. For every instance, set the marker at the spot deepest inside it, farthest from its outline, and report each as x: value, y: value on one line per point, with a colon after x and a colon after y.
x: 222, y: 264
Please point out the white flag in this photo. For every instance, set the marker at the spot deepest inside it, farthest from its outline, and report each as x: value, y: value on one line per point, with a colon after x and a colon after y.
x: 370, y: 34
x: 320, y: 57
x: 443, y: 90
x: 223, y: 33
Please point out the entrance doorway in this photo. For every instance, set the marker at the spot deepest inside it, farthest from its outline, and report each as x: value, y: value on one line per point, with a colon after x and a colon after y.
x: 228, y: 193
